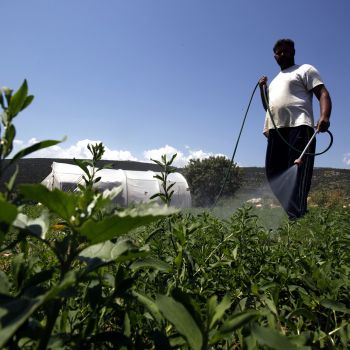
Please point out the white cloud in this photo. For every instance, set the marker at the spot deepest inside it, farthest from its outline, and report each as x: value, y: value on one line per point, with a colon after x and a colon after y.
x: 118, y: 155
x: 199, y: 154
x: 202, y: 155
x: 181, y: 159
x: 346, y: 159
x: 169, y: 151
x: 80, y: 151
x: 18, y: 143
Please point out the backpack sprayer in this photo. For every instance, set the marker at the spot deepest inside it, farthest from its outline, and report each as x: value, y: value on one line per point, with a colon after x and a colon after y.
x: 297, y: 162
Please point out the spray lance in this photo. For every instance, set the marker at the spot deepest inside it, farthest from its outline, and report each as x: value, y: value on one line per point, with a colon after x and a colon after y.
x: 297, y: 162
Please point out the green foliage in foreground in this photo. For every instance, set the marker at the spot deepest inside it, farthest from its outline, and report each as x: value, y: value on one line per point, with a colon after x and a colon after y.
x: 79, y: 273
x: 187, y: 281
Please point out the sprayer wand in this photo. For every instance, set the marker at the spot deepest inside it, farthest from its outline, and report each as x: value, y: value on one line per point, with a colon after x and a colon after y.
x: 299, y: 161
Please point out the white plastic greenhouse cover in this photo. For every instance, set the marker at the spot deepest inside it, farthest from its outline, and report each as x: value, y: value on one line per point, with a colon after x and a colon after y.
x: 137, y: 186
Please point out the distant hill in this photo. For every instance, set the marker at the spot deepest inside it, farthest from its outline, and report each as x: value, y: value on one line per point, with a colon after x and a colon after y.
x: 254, y: 180
x: 34, y: 170
x: 331, y: 179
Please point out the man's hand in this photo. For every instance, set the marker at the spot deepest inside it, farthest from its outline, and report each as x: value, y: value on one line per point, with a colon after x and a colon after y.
x: 262, y: 81
x: 323, y: 124
x: 262, y: 84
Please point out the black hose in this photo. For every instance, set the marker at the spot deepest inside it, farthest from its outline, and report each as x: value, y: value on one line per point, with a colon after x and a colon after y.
x: 284, y: 140
x: 234, y: 152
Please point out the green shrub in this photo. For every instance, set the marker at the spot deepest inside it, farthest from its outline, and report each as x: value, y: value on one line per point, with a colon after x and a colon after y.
x: 207, y: 176
x: 330, y: 198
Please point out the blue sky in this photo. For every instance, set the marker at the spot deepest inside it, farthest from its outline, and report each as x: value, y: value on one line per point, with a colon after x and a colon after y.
x: 148, y: 77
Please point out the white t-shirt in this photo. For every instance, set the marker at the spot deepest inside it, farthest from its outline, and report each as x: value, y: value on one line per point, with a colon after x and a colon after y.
x: 290, y: 97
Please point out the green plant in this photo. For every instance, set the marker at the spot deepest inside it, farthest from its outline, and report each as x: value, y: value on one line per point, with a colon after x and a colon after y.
x: 37, y: 295
x: 330, y: 198
x: 90, y: 166
x: 205, y: 178
x: 13, y: 103
x: 166, y: 169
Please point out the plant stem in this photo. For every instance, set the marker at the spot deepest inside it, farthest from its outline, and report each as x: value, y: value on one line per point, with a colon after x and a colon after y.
x: 51, y: 320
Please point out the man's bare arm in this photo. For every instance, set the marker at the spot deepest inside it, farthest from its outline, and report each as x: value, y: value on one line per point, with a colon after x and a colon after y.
x: 324, y: 98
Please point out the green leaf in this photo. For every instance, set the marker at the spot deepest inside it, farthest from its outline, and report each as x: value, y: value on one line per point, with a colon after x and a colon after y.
x: 18, y: 99
x: 38, y: 278
x: 82, y: 164
x: 11, y: 183
x: 179, y: 234
x: 307, y: 314
x: 157, y: 162
x: 68, y: 280
x: 272, y: 339
x: 151, y: 263
x: 235, y: 252
x: 4, y: 283
x: 27, y: 101
x: 19, y: 270
x: 37, y: 227
x: 178, y: 258
x: 33, y: 148
x: 108, y: 251
x: 159, y: 177
x: 216, y: 312
x: 2, y: 100
x: 10, y: 133
x: 270, y: 304
x: 154, y: 196
x: 334, y: 305
x: 172, y: 159
x: 178, y: 315
x: 61, y: 203
x: 97, y: 179
x: 16, y: 311
x: 170, y: 186
x: 5, y: 118
x: 8, y: 94
x: 235, y: 322
x: 8, y: 212
x: 150, y: 304
x: 122, y: 222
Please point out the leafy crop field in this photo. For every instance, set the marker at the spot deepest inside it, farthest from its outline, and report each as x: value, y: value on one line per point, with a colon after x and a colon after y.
x: 194, y: 281
x: 248, y: 287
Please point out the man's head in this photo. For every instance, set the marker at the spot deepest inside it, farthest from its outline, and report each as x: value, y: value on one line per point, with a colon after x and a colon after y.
x: 284, y: 53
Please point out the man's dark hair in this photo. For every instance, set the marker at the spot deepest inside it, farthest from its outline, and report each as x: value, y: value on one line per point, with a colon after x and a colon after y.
x: 280, y: 42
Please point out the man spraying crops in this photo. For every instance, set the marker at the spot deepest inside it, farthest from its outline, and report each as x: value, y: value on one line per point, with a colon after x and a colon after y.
x: 289, y: 125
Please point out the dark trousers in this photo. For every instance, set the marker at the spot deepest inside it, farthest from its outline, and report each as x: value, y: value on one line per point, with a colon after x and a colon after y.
x: 291, y: 191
